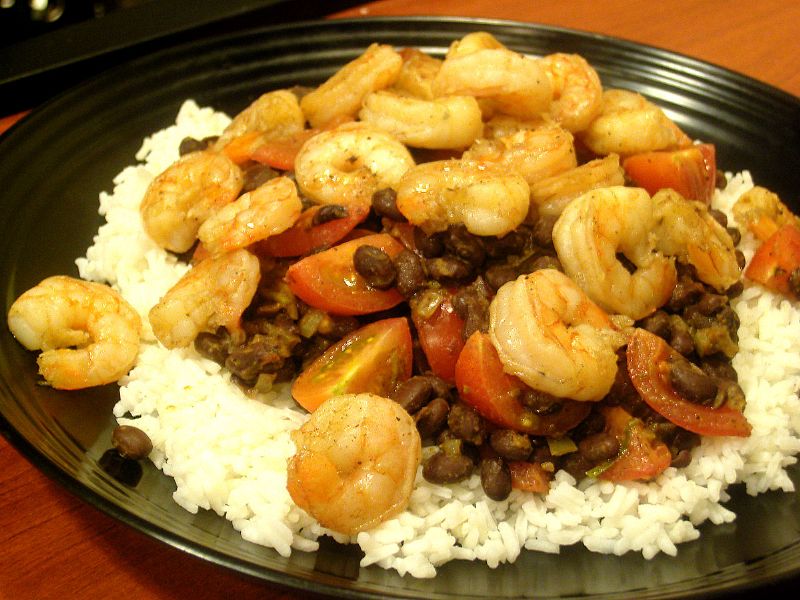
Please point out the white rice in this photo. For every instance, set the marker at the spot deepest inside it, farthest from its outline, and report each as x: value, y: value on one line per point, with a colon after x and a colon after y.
x: 227, y: 452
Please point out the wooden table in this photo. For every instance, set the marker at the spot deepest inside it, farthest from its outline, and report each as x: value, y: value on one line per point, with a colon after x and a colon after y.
x: 53, y: 545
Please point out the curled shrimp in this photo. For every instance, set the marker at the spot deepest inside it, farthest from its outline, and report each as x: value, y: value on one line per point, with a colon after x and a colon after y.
x: 597, y: 227
x: 341, y: 95
x: 87, y: 332
x: 213, y: 293
x: 477, y: 66
x: 276, y: 114
x: 762, y: 212
x: 348, y: 164
x: 417, y: 74
x: 686, y: 230
x: 577, y: 91
x: 178, y: 201
x: 268, y: 210
x: 440, y: 123
x: 485, y: 198
x: 549, y: 333
x: 628, y: 123
x: 533, y: 153
x: 552, y: 194
x: 356, y: 461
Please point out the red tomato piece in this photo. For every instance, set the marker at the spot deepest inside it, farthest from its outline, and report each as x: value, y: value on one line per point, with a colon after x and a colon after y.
x: 529, y: 477
x: 776, y: 259
x: 441, y: 338
x: 641, y: 456
x: 374, y: 358
x: 304, y: 237
x: 691, y: 171
x: 647, y: 356
x: 483, y: 384
x: 329, y: 281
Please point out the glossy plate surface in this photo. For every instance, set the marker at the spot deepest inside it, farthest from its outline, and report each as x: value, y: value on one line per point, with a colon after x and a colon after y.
x: 56, y: 162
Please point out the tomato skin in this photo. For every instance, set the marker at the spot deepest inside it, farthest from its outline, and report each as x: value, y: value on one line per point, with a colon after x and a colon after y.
x: 647, y: 356
x: 441, y: 338
x: 529, y: 477
x: 689, y: 171
x: 304, y: 237
x: 642, y: 456
x: 374, y: 358
x: 775, y: 259
x: 483, y: 384
x: 328, y: 280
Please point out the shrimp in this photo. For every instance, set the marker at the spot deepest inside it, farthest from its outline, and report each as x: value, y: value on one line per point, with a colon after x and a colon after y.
x: 485, y: 198
x: 277, y: 114
x: 687, y: 230
x: 178, y: 201
x: 628, y: 123
x: 441, y: 123
x: 594, y: 229
x: 577, y: 91
x: 268, y: 210
x: 356, y: 461
x: 417, y: 74
x: 341, y: 95
x: 533, y: 153
x: 348, y: 164
x: 516, y: 84
x: 552, y: 194
x: 88, y: 333
x: 213, y: 293
x: 762, y: 212
x: 553, y: 337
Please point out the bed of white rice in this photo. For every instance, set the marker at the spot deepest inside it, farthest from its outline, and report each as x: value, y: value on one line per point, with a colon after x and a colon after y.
x: 227, y: 452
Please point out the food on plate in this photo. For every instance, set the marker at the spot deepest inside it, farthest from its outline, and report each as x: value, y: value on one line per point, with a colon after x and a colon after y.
x: 449, y: 308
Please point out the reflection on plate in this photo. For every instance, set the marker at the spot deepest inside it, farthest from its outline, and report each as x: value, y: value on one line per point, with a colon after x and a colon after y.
x: 57, y: 161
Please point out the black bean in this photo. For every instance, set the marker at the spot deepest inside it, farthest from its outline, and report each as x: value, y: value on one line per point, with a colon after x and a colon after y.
x: 131, y: 442
x: 446, y: 268
x: 685, y: 292
x: 410, y: 273
x: 539, y: 262
x: 740, y: 259
x: 413, y: 393
x: 256, y: 356
x: 375, y: 266
x: 329, y: 212
x: 719, y: 369
x: 721, y: 180
x: 576, y: 464
x: 599, y: 447
x: 256, y: 175
x: 461, y: 243
x: 430, y: 246
x: 730, y: 394
x: 541, y: 403
x: 543, y: 230
x: 495, y: 478
x: 680, y: 336
x: 497, y: 275
x: 466, y: 424
x: 471, y: 303
x: 736, y: 235
x: 681, y: 459
x: 690, y: 381
x: 709, y: 304
x: 510, y: 444
x: 190, y: 144
x: 719, y: 216
x: 384, y: 202
x: 510, y: 244
x: 658, y: 323
x: 432, y: 417
x: 444, y: 467
x: 735, y: 290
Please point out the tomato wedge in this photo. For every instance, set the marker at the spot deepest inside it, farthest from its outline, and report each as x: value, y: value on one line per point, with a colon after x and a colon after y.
x: 529, y: 477
x: 482, y: 383
x: 329, y: 281
x: 374, y: 358
x: 647, y: 356
x: 441, y: 338
x: 304, y: 237
x: 776, y: 259
x: 691, y: 172
x: 641, y: 456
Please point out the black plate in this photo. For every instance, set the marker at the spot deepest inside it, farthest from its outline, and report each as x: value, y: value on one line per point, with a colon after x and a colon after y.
x: 57, y: 160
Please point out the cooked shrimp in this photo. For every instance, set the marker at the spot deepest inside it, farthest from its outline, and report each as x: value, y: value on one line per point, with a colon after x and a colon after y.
x: 552, y: 194
x: 417, y: 74
x: 356, y: 461
x: 591, y: 233
x: 447, y: 122
x: 504, y: 126
x: 269, y: 209
x: 553, y: 337
x: 485, y: 198
x: 185, y: 194
x: 628, y: 123
x: 516, y: 84
x: 762, y: 212
x: 348, y: 164
x: 88, y: 333
x: 276, y: 114
x: 213, y: 294
x: 577, y: 91
x: 533, y: 153
x: 685, y: 229
x: 342, y: 94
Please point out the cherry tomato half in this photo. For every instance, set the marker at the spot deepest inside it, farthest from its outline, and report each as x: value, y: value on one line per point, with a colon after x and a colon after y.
x: 691, y: 171
x: 441, y: 338
x: 776, y: 259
